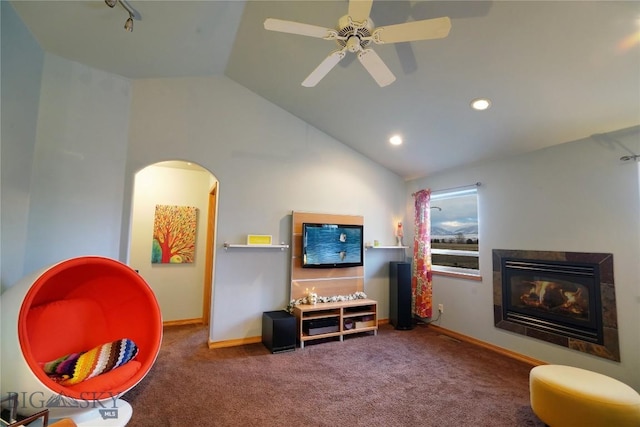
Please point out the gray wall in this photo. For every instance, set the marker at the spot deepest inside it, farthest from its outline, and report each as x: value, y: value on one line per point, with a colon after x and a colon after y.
x: 78, y: 164
x: 22, y: 62
x: 268, y: 164
x: 576, y: 196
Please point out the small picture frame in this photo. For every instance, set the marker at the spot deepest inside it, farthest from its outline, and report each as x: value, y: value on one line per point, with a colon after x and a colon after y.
x: 259, y: 239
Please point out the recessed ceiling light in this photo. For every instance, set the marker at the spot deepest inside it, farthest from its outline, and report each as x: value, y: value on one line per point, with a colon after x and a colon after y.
x: 480, y: 104
x: 395, y: 140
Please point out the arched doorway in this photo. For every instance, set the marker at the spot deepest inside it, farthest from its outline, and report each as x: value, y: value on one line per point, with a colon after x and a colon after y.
x: 182, y: 284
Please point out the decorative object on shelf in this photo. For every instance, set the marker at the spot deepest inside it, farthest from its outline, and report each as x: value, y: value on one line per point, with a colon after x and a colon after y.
x: 348, y: 324
x: 399, y: 234
x: 258, y: 239
x: 376, y: 243
x: 319, y: 299
x: 312, y: 297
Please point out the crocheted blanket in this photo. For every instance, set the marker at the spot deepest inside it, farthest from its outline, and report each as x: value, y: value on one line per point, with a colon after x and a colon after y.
x: 77, y: 367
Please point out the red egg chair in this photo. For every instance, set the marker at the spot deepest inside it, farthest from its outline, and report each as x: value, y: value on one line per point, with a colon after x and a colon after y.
x: 71, y: 308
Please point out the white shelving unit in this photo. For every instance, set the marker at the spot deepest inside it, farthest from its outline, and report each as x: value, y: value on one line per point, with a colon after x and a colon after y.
x: 227, y: 245
x: 385, y: 247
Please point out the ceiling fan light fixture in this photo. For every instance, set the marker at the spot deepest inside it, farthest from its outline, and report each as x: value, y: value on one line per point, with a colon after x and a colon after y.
x: 395, y: 140
x: 111, y: 3
x: 480, y: 104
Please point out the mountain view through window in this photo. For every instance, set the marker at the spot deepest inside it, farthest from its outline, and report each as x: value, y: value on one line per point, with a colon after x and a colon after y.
x: 454, y: 231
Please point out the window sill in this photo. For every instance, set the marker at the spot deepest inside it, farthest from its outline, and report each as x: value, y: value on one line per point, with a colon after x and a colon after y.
x: 456, y: 272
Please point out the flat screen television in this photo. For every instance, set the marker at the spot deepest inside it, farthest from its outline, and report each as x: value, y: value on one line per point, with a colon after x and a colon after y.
x: 332, y: 245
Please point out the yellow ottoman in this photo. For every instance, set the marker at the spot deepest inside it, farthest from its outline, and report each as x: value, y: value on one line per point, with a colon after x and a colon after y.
x: 563, y: 396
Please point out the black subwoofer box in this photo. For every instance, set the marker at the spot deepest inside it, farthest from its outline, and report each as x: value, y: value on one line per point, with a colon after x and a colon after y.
x: 278, y: 331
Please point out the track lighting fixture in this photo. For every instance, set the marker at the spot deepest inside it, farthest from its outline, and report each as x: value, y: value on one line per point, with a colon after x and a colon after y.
x: 633, y: 157
x: 128, y: 25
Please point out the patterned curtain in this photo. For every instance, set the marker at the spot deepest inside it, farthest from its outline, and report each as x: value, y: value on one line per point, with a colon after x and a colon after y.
x: 421, y: 298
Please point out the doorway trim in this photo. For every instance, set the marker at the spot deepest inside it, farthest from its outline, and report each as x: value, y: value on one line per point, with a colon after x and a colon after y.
x: 206, y: 269
x: 209, y: 254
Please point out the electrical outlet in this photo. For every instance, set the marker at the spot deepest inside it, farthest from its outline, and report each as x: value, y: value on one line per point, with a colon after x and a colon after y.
x: 441, y: 308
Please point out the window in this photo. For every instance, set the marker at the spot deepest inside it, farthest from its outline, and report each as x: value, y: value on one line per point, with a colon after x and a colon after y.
x: 454, y: 232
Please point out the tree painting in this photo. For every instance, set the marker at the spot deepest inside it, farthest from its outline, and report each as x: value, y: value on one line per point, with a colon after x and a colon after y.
x: 174, y: 234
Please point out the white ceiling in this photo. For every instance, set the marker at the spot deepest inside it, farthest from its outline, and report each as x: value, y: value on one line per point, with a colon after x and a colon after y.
x: 556, y: 71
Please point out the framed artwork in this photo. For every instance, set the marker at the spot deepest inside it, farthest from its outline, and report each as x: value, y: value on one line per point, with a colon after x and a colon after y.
x: 174, y: 234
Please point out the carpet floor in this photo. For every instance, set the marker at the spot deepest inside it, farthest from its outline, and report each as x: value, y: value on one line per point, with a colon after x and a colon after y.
x: 397, y: 378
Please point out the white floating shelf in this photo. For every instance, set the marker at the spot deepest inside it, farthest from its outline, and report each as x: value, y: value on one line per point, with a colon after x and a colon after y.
x: 386, y: 247
x: 282, y: 247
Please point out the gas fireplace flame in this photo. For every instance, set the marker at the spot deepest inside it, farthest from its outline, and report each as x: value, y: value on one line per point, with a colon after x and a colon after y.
x: 551, y: 296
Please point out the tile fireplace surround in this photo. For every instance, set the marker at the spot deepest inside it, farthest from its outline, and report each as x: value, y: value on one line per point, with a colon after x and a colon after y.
x: 609, y: 348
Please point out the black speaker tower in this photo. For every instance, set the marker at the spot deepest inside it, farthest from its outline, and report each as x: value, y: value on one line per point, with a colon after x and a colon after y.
x: 400, y: 295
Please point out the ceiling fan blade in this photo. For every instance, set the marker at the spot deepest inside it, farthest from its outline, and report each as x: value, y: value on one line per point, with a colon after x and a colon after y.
x: 359, y: 10
x: 374, y: 65
x: 427, y: 29
x: 324, y: 68
x: 297, y: 28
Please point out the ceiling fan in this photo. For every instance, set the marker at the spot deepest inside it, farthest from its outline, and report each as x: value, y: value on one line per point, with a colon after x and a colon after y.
x: 355, y: 32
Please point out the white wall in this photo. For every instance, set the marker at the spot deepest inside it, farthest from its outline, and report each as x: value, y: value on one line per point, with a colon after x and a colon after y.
x: 78, y: 164
x: 178, y: 287
x: 578, y: 197
x: 22, y: 61
x: 268, y: 163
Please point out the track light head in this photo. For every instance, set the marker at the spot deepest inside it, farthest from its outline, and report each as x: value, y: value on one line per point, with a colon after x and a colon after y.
x: 631, y: 157
x: 128, y: 26
x: 133, y: 14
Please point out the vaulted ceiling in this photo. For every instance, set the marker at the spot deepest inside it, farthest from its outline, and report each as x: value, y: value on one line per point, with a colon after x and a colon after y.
x: 555, y: 71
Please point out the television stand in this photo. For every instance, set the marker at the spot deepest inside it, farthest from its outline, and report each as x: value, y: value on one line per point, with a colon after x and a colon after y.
x: 335, y: 319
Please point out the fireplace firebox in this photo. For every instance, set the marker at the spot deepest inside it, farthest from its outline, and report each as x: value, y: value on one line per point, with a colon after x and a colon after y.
x: 553, y: 296
x: 566, y: 298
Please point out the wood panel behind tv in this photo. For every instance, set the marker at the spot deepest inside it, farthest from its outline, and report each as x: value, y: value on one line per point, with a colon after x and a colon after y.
x: 326, y: 281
